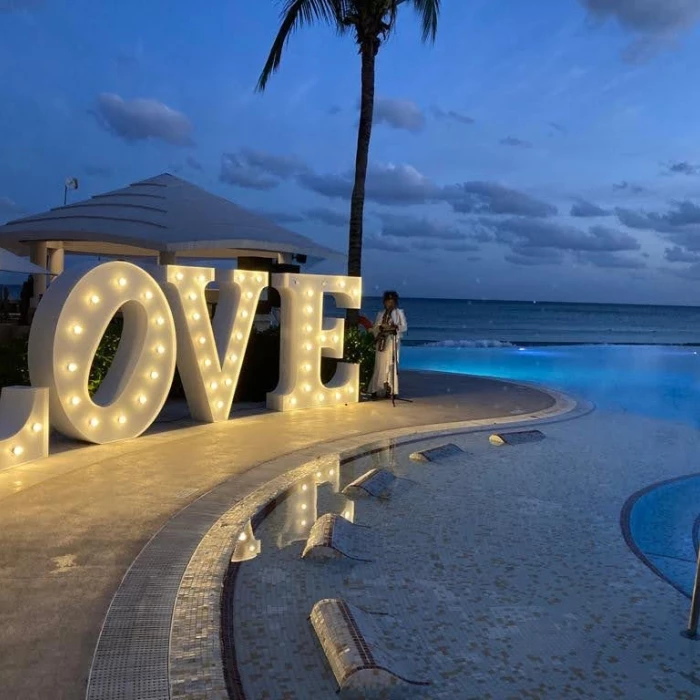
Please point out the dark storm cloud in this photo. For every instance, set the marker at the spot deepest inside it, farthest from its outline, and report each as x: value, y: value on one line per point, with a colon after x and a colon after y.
x: 680, y: 255
x: 478, y: 197
x: 584, y: 209
x: 515, y: 142
x: 453, y: 116
x: 399, y: 114
x: 142, y: 119
x: 98, y: 170
x: 524, y: 233
x: 327, y: 216
x: 682, y: 167
x: 193, y: 163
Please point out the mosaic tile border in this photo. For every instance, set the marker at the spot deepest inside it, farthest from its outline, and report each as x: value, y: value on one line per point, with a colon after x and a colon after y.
x: 162, y: 636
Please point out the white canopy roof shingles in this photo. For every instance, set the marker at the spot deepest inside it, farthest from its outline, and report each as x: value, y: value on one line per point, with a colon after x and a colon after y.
x: 163, y: 214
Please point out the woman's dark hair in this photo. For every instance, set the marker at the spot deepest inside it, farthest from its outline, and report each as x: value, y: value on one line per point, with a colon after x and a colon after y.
x: 391, y: 295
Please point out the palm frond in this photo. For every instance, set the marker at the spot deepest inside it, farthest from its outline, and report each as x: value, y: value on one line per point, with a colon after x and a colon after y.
x: 296, y: 14
x: 428, y: 10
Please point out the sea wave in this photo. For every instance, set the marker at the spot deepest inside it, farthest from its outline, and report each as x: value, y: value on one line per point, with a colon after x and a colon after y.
x: 468, y: 344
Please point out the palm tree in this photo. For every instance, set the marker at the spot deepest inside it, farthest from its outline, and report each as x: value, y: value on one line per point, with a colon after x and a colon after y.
x: 371, y: 22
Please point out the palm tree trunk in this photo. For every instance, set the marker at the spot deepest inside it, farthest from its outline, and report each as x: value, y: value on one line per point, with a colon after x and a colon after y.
x: 357, y: 202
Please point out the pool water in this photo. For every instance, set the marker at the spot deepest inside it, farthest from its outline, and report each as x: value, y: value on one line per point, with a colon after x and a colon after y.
x: 653, y: 381
x: 661, y: 524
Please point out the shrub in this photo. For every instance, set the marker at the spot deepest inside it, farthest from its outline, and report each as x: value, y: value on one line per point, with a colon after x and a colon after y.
x: 259, y: 373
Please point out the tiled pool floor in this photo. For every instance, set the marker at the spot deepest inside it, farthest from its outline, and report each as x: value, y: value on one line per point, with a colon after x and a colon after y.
x: 505, y: 570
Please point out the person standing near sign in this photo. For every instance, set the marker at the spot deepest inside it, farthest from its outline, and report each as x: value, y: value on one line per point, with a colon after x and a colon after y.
x: 388, y: 328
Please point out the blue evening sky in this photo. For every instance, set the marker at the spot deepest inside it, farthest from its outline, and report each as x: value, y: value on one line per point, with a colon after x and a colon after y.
x: 544, y: 150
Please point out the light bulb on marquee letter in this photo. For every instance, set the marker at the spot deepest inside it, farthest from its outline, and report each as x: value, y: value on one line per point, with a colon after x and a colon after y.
x: 208, y: 353
x: 139, y: 378
x: 306, y: 336
x: 24, y: 425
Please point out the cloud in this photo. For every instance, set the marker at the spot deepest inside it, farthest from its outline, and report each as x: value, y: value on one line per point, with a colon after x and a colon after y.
x: 682, y: 168
x: 142, y: 119
x: 453, y: 116
x: 478, y: 197
x: 399, y: 226
x: 282, y: 167
x: 515, y: 142
x: 557, y: 127
x: 609, y: 260
x: 327, y: 216
x: 691, y: 272
x: 534, y: 257
x: 373, y: 242
x: 334, y: 109
x: 193, y: 163
x: 522, y: 233
x: 399, y: 114
x: 98, y: 170
x: 656, y: 22
x: 386, y: 184
x: 681, y: 224
x: 654, y: 17
x: 234, y: 171
x: 281, y: 217
x: 626, y: 186
x: 259, y: 170
x: 680, y: 255
x: 584, y: 209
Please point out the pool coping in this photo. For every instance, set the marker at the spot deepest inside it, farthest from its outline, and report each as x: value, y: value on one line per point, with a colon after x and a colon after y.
x: 162, y: 635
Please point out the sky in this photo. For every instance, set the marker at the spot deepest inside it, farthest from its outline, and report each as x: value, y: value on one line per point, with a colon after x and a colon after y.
x: 544, y: 150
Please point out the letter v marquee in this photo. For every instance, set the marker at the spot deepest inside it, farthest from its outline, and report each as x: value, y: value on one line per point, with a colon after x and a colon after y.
x: 210, y: 355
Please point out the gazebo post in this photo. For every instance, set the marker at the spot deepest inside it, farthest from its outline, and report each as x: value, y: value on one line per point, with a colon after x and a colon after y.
x: 37, y: 255
x: 56, y: 261
x: 167, y: 257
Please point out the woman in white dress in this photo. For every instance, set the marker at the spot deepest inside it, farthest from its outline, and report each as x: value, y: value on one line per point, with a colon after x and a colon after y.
x: 388, y: 328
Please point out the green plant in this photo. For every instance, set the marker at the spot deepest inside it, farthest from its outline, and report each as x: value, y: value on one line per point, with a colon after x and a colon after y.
x: 13, y: 363
x: 360, y: 347
x: 104, y: 356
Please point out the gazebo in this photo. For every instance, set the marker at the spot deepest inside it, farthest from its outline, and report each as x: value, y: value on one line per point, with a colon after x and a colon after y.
x: 163, y: 217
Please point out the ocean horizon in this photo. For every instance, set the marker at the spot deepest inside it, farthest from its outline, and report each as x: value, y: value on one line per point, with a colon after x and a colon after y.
x: 489, y: 323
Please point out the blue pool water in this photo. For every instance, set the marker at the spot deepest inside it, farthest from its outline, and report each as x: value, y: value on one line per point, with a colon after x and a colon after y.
x: 653, y: 381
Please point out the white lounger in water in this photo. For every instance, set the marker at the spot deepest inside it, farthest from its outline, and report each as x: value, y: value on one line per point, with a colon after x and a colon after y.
x: 350, y: 642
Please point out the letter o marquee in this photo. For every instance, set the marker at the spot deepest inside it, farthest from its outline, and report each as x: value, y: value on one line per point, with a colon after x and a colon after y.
x: 66, y: 332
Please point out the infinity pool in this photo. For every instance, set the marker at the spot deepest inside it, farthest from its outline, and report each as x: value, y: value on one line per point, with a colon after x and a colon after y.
x: 661, y: 523
x: 654, y: 381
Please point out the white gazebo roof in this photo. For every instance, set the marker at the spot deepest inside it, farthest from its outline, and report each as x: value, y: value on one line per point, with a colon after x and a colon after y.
x: 9, y: 262
x: 163, y: 214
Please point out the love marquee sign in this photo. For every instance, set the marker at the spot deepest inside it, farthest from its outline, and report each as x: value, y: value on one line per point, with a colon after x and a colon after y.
x: 166, y: 323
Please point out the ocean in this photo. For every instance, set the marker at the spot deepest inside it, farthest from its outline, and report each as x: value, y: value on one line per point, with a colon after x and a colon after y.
x: 464, y: 323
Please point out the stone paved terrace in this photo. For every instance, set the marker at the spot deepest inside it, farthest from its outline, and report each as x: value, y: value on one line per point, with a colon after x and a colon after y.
x: 71, y: 525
